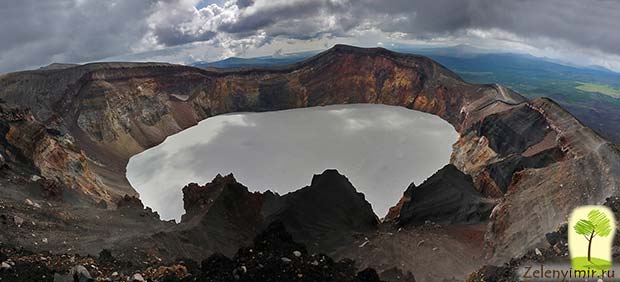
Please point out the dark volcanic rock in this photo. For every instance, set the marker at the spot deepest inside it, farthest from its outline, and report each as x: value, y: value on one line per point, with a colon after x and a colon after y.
x: 133, y: 205
x: 493, y: 273
x: 222, y: 215
x: 106, y: 256
x: 51, y: 189
x: 502, y: 172
x: 130, y: 202
x: 217, y: 267
x: 276, y: 239
x: 514, y: 131
x: 447, y: 197
x: 394, y: 274
x: 327, y: 210
x: 275, y: 257
x: 223, y: 204
x: 368, y: 275
x: 225, y: 214
x: 27, y: 271
x: 222, y: 195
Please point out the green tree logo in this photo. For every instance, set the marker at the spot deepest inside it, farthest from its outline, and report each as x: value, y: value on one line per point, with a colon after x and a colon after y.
x: 597, y: 224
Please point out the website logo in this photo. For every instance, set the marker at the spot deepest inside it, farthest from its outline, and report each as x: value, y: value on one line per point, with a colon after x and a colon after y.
x: 590, y: 235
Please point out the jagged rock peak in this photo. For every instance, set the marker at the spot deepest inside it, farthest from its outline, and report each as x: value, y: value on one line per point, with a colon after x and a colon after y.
x: 219, y: 180
x: 448, y: 197
x: 199, y: 199
x: 330, y: 205
x: 331, y: 177
x: 194, y: 192
x: 336, y: 191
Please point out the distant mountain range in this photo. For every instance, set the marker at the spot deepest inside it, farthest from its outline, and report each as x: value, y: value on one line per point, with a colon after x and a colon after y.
x: 591, y: 93
x: 265, y: 61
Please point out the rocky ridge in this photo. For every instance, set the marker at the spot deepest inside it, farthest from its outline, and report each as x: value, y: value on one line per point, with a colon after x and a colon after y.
x: 447, y: 197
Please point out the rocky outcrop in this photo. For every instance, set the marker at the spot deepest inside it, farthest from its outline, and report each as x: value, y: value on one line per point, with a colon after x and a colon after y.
x: 447, y: 197
x: 10, y: 154
x: 220, y: 217
x: 275, y: 256
x: 222, y: 197
x: 325, y: 213
x: 26, y: 144
x: 224, y: 215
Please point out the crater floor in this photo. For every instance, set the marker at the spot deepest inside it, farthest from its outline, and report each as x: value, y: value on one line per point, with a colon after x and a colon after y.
x: 382, y: 149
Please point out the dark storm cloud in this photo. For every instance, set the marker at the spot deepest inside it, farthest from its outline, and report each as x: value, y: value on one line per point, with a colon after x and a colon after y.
x: 589, y: 24
x: 171, y: 37
x: 39, y: 32
x: 269, y: 15
x: 245, y: 3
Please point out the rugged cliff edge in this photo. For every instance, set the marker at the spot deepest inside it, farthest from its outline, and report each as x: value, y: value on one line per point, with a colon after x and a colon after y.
x: 447, y: 197
x: 537, y: 160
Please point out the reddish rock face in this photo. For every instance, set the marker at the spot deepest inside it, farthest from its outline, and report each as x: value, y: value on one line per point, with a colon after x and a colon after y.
x: 115, y: 110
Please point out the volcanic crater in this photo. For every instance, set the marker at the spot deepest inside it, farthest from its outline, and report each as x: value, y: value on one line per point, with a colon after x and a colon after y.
x: 518, y: 167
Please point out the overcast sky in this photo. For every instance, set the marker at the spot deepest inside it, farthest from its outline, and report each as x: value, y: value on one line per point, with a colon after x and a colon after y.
x: 38, y: 32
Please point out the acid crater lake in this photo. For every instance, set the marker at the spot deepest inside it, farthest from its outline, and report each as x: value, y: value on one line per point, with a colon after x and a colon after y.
x: 381, y: 149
